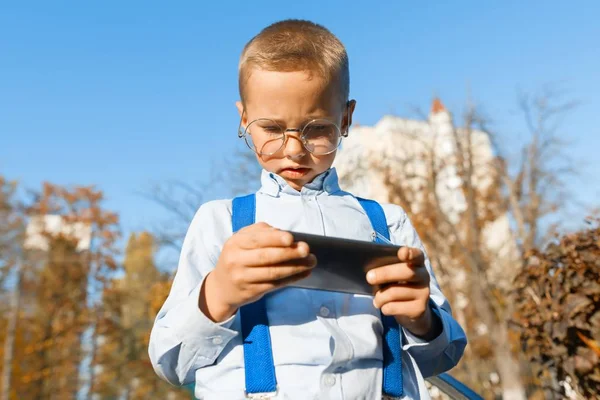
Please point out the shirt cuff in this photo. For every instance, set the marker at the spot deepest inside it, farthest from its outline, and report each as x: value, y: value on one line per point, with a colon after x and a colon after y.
x: 437, y: 344
x: 442, y: 353
x: 196, y: 330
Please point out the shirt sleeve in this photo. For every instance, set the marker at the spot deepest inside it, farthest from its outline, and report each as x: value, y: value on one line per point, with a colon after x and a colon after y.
x: 445, y: 351
x: 183, y: 339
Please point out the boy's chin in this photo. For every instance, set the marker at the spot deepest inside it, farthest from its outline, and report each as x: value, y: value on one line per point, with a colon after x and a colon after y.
x: 297, y: 184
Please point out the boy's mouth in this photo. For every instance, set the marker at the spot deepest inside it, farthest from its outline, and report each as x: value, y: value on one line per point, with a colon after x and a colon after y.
x: 294, y: 173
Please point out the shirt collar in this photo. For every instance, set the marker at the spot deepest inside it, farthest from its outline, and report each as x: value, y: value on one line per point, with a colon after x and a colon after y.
x: 273, y: 184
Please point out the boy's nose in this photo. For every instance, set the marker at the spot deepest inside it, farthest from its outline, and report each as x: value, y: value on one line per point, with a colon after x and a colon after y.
x: 293, y: 147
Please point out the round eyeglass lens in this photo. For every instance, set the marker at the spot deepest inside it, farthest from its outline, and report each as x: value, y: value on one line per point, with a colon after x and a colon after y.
x: 264, y: 136
x: 321, y: 137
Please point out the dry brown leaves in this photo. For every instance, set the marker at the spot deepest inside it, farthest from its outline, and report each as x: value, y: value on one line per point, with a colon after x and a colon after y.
x: 558, y: 311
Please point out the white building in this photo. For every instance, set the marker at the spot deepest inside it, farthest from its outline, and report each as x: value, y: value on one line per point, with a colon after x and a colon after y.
x: 40, y: 226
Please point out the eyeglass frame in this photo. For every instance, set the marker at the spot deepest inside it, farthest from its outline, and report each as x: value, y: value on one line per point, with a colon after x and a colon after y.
x: 242, y: 134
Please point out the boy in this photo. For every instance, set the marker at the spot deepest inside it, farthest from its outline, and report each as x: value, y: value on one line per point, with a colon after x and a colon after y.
x: 294, y: 111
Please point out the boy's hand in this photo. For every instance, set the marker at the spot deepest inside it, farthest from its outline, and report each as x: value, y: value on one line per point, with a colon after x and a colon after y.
x: 254, y: 261
x: 404, y: 292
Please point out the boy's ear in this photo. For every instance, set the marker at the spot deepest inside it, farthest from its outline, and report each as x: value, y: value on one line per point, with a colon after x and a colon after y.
x: 350, y: 110
x: 243, y: 116
x: 242, y: 126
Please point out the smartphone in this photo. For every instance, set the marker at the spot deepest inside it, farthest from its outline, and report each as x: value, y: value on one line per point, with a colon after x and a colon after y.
x: 342, y: 264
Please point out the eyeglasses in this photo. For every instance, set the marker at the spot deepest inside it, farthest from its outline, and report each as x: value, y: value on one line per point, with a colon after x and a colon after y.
x: 266, y: 137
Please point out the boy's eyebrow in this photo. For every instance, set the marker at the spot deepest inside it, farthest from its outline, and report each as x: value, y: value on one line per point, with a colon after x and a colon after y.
x: 310, y: 117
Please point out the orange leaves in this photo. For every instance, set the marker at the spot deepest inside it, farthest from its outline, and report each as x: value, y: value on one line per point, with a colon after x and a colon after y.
x: 70, y: 242
x: 157, y: 295
x: 592, y: 344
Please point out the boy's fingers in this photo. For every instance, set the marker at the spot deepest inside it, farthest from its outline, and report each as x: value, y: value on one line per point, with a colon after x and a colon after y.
x: 396, y: 293
x: 411, y: 255
x: 269, y: 278
x: 257, y: 226
x: 410, y: 309
x: 392, y: 273
x: 269, y: 256
x: 264, y: 237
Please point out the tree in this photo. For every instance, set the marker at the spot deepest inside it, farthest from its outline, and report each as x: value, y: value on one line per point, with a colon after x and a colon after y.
x: 125, y: 327
x: 11, y: 235
x: 57, y: 322
x: 68, y: 308
x: 109, y: 359
x: 97, y: 231
x: 558, y: 310
x: 534, y: 187
x: 64, y: 255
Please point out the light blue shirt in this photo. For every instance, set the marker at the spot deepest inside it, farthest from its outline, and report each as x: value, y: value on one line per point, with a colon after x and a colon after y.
x: 326, y: 345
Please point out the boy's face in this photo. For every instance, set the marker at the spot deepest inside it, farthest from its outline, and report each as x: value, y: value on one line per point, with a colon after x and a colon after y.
x: 292, y: 99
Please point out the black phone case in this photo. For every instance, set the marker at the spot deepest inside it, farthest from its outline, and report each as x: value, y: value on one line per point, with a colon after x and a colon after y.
x: 342, y: 264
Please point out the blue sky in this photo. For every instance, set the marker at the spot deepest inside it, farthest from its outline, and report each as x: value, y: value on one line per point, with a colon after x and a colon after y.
x: 124, y: 94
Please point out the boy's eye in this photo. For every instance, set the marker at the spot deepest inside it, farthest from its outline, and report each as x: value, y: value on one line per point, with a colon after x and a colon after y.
x: 264, y: 127
x: 272, y: 129
x: 320, y: 130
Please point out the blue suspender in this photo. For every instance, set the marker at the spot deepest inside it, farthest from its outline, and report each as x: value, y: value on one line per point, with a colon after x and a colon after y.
x: 392, y: 350
x: 258, y: 356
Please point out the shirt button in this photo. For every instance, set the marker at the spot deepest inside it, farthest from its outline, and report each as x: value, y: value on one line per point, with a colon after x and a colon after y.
x: 217, y: 340
x: 330, y: 380
x: 324, y: 311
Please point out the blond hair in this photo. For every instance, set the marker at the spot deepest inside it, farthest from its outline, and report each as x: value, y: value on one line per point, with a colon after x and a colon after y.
x: 297, y: 45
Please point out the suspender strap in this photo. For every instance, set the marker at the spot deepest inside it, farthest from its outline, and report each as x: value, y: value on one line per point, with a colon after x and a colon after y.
x: 243, y: 210
x: 258, y: 356
x: 392, y: 350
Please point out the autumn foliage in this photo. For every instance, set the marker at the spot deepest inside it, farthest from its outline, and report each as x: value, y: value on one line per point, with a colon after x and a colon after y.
x: 75, y: 319
x: 558, y: 310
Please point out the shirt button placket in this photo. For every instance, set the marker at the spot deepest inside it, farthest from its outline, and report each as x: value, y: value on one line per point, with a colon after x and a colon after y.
x: 312, y: 213
x: 318, y: 215
x: 331, y: 385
